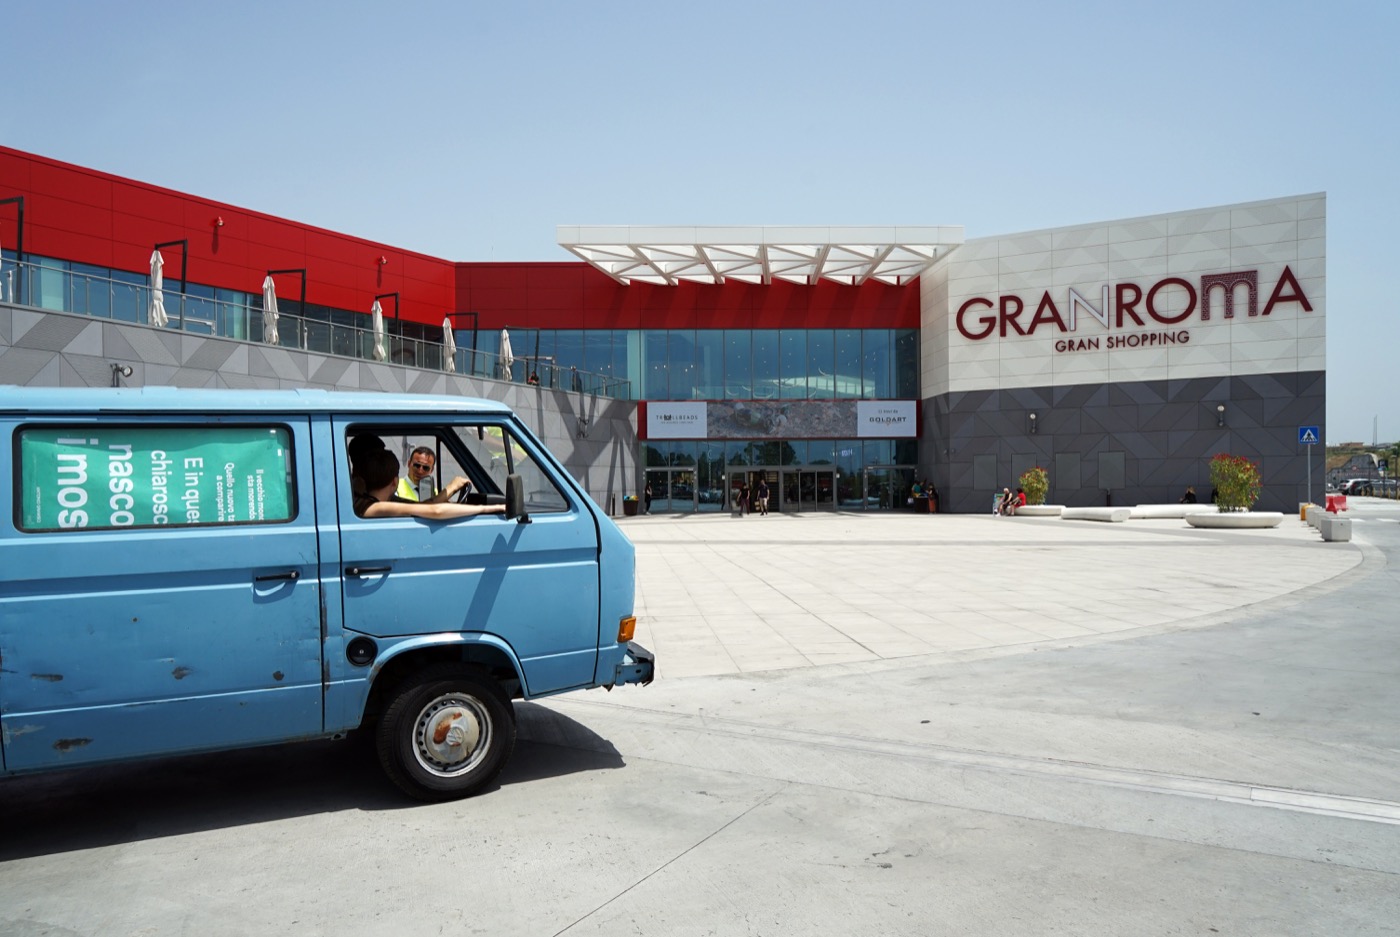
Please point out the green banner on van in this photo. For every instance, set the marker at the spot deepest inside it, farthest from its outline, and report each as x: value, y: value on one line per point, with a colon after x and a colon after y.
x: 99, y: 477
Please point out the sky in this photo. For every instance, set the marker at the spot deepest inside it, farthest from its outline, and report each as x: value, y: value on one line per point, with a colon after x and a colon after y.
x: 469, y: 131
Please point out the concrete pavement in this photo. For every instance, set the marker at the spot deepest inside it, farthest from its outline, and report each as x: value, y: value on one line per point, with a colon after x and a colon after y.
x: 863, y: 725
x: 721, y: 595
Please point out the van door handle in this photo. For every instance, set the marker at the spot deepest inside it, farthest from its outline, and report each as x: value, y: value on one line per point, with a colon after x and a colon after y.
x: 358, y: 571
x: 292, y: 575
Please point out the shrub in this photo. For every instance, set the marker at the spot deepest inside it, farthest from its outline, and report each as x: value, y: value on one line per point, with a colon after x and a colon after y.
x: 1236, y: 482
x: 1037, y: 485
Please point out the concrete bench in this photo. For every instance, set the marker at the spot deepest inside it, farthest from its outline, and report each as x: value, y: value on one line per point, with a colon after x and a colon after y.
x: 1039, y: 510
x: 1111, y: 515
x: 1169, y: 511
x: 1236, y: 520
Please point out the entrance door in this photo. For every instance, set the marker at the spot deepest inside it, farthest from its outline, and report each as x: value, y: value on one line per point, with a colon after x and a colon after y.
x: 887, y: 487
x: 672, y: 490
x: 804, y: 489
x: 659, y: 481
x: 682, y: 491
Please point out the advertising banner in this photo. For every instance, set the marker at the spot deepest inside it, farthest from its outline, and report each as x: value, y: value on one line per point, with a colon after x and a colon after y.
x: 670, y: 419
x: 782, y: 419
x: 886, y: 418
x: 111, y: 477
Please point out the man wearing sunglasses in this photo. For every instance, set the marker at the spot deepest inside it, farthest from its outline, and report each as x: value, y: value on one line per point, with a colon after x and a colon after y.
x: 418, y: 486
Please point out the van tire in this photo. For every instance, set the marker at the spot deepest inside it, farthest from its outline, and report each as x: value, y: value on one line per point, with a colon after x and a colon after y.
x: 447, y: 732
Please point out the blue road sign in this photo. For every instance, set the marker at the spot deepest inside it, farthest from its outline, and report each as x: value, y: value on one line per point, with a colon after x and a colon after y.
x: 1308, y: 436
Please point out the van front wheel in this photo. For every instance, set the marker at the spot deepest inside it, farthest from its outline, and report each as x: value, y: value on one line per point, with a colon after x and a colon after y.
x: 447, y: 732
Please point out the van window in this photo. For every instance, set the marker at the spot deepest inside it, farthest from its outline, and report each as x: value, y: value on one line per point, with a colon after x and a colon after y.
x: 105, y: 477
x: 488, y: 447
x: 476, y: 452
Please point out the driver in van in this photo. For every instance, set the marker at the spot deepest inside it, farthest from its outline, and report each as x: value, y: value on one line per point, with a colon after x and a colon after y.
x: 380, y: 471
x: 420, y: 477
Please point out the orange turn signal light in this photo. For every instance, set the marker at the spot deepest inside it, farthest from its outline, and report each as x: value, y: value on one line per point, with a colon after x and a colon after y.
x: 626, y: 627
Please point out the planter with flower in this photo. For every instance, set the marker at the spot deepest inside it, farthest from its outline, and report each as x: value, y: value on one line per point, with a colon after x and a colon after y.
x: 1237, y: 486
x: 1036, y: 484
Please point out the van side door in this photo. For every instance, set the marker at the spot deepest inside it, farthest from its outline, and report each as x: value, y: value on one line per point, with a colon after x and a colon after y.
x: 158, y: 587
x: 533, y: 586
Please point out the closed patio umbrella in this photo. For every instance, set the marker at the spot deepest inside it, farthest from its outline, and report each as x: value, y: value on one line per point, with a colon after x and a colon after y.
x: 449, y: 348
x: 381, y: 346
x: 270, y: 312
x: 155, y: 312
x: 507, y: 356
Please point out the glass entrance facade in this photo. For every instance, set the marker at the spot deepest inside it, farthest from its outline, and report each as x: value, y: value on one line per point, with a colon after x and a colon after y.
x: 697, y: 476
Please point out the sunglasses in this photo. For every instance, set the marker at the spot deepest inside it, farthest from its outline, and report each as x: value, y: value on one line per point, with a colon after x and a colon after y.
x: 422, y: 466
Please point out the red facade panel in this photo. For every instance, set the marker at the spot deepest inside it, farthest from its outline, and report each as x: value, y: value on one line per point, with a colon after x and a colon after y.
x: 72, y: 185
x: 92, y: 217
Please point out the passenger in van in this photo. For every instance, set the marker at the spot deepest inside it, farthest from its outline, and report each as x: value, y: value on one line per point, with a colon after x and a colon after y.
x: 380, y: 471
x: 420, y: 469
x: 360, y: 447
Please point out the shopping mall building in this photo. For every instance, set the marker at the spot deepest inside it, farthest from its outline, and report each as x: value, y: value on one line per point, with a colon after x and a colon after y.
x: 841, y: 363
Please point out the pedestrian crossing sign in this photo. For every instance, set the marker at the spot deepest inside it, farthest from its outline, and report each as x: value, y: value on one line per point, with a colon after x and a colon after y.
x: 1308, y: 436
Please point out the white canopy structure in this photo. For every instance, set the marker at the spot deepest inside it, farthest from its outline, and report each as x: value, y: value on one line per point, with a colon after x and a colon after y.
x: 805, y: 255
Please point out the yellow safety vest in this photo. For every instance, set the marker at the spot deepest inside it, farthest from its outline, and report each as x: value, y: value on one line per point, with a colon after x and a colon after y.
x: 407, y: 491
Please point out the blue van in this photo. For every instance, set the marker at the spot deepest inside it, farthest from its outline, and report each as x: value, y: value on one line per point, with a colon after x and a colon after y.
x: 198, y: 570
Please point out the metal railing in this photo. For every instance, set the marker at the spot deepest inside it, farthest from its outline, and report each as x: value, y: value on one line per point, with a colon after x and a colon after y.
x: 44, y: 287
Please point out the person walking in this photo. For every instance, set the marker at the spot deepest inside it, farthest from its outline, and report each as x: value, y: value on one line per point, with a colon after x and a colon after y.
x: 761, y: 494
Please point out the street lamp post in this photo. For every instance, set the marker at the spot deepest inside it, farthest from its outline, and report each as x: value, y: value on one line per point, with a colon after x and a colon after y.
x: 18, y: 202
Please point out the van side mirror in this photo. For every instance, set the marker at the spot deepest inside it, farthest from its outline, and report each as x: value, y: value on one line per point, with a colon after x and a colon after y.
x: 515, y: 499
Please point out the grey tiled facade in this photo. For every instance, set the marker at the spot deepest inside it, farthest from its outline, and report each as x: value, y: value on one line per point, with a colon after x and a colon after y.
x: 595, y: 437
x: 1161, y: 433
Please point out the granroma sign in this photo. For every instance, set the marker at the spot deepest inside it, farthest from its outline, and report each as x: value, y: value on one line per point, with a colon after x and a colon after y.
x: 1126, y: 306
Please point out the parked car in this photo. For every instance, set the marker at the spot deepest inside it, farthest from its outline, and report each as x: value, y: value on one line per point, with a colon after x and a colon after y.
x: 1356, y: 486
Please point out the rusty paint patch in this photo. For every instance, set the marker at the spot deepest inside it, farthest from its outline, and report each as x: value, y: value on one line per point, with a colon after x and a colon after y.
x: 67, y: 745
x: 277, y: 675
x: 180, y: 673
x: 50, y: 677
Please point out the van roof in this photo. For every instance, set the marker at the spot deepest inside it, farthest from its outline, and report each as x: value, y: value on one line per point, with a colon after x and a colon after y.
x: 80, y: 400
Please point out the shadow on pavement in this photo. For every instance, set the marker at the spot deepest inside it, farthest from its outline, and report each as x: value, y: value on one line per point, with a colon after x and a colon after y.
x: 112, y: 804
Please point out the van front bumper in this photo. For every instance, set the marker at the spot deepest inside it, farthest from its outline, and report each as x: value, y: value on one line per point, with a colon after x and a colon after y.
x: 638, y: 665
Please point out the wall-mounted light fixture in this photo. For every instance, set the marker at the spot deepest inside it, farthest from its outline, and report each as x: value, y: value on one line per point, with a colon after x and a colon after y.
x: 1032, y: 422
x: 120, y: 371
x: 383, y: 260
x: 219, y: 221
x: 1220, y: 414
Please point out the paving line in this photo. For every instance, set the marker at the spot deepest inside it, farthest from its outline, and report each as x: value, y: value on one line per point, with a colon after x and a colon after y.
x: 1235, y: 792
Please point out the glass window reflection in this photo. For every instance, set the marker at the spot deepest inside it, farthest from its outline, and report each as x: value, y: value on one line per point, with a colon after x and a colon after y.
x: 793, y: 357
